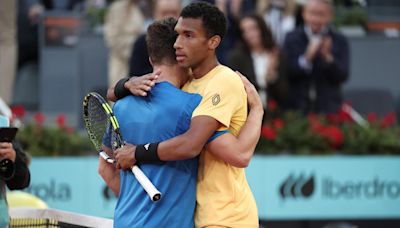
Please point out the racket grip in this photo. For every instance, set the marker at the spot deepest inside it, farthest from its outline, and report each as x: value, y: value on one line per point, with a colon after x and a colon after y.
x: 106, y: 157
x: 151, y: 190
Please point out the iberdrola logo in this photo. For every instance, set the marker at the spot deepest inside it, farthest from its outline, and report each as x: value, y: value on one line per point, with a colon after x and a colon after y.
x: 297, y: 186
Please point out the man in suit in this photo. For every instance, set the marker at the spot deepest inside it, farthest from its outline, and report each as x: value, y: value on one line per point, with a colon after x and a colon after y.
x: 318, y: 61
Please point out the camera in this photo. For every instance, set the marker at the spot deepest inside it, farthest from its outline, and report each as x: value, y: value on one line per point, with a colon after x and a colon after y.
x: 7, y: 169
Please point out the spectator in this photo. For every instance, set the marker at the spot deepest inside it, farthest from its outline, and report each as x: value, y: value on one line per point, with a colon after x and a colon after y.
x: 8, y: 48
x: 20, y: 175
x: 139, y: 61
x: 124, y: 23
x: 318, y: 61
x: 233, y: 10
x: 257, y: 56
x: 279, y: 15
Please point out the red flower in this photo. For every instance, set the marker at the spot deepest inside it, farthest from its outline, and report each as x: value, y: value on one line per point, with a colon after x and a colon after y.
x: 345, y: 113
x: 271, y: 106
x: 18, y: 111
x: 372, y: 117
x: 315, y: 124
x: 69, y: 130
x: 278, y: 123
x: 333, y: 118
x: 388, y: 120
x: 61, y: 121
x: 268, y: 133
x: 39, y: 118
x: 333, y: 134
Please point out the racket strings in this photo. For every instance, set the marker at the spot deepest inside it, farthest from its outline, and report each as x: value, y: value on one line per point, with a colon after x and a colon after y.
x: 99, y: 123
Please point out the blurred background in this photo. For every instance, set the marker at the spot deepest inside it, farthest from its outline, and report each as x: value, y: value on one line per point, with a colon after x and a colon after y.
x: 328, y: 73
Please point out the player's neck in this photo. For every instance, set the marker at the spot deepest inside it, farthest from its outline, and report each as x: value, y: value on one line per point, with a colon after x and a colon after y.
x: 204, y: 67
x: 172, y: 74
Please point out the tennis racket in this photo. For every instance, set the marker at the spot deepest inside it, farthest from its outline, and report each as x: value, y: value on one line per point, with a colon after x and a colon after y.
x: 101, y: 124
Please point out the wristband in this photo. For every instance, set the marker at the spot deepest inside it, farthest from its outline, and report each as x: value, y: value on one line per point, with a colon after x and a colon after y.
x: 120, y: 91
x: 147, y: 153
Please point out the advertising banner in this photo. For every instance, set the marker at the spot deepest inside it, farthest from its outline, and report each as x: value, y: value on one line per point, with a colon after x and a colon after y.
x: 285, y: 187
x: 318, y: 187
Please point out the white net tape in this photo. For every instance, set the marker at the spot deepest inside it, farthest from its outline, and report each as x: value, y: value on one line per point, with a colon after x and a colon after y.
x: 27, y: 217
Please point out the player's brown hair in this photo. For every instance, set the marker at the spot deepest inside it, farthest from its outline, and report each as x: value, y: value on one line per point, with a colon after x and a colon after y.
x: 160, y: 41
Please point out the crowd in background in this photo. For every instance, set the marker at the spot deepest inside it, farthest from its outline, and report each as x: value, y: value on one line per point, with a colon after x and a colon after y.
x: 291, y: 55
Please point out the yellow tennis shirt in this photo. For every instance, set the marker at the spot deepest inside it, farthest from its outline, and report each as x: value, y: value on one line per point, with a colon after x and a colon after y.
x: 224, y: 197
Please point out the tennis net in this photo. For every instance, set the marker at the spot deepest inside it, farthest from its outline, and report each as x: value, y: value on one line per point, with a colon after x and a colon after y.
x: 50, y: 218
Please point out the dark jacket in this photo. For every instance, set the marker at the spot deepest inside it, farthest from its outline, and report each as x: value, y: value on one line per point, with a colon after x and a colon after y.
x: 139, y: 62
x: 22, y: 177
x: 240, y: 59
x: 326, y: 77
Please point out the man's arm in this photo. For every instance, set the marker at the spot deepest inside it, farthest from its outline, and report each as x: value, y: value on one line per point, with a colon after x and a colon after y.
x: 238, y: 151
x: 294, y: 50
x: 185, y: 146
x: 188, y: 145
x: 21, y: 178
x: 336, y: 65
x: 138, y: 86
x: 109, y: 173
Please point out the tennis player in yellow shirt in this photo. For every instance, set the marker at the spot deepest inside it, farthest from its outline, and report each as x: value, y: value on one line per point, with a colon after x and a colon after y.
x: 224, y: 198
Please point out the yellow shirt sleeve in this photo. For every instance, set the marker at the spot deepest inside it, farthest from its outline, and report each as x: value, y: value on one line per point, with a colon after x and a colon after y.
x: 221, y: 99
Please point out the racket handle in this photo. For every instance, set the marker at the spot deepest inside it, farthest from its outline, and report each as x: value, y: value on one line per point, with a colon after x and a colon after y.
x: 105, y: 156
x: 151, y: 190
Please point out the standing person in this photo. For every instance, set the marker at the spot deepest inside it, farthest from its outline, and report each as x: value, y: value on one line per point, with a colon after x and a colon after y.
x: 19, y: 179
x: 318, y: 61
x: 123, y: 24
x: 8, y: 48
x: 224, y: 198
x: 139, y: 63
x: 257, y: 56
x: 175, y: 179
x: 279, y: 15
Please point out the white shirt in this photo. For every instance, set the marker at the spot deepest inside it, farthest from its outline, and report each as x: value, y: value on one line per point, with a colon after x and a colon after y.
x: 260, y: 65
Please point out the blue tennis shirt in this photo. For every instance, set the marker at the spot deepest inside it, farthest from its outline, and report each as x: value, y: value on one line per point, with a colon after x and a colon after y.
x: 165, y: 113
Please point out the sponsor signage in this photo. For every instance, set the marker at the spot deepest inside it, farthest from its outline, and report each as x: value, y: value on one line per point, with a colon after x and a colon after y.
x: 71, y: 184
x: 326, y: 187
x: 285, y: 187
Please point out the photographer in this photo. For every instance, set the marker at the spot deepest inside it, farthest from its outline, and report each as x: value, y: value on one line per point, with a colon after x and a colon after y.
x: 15, y: 175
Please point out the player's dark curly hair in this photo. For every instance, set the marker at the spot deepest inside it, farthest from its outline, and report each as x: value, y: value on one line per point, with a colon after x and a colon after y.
x: 160, y: 41
x: 214, y: 20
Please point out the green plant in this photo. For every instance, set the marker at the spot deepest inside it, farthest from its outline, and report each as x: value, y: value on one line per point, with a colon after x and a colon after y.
x: 295, y: 133
x: 355, y: 16
x: 56, y: 140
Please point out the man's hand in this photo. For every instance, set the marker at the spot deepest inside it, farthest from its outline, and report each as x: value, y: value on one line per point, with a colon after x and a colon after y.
x: 253, y: 99
x: 125, y: 156
x: 140, y: 86
x: 313, y: 46
x: 7, y: 151
x: 109, y: 173
x: 326, y: 49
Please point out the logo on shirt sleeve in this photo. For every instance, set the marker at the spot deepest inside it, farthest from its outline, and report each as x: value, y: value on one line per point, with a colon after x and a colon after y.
x: 216, y: 99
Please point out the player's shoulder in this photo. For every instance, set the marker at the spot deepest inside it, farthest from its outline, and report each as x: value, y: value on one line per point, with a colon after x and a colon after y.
x: 225, y: 77
x: 176, y: 95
